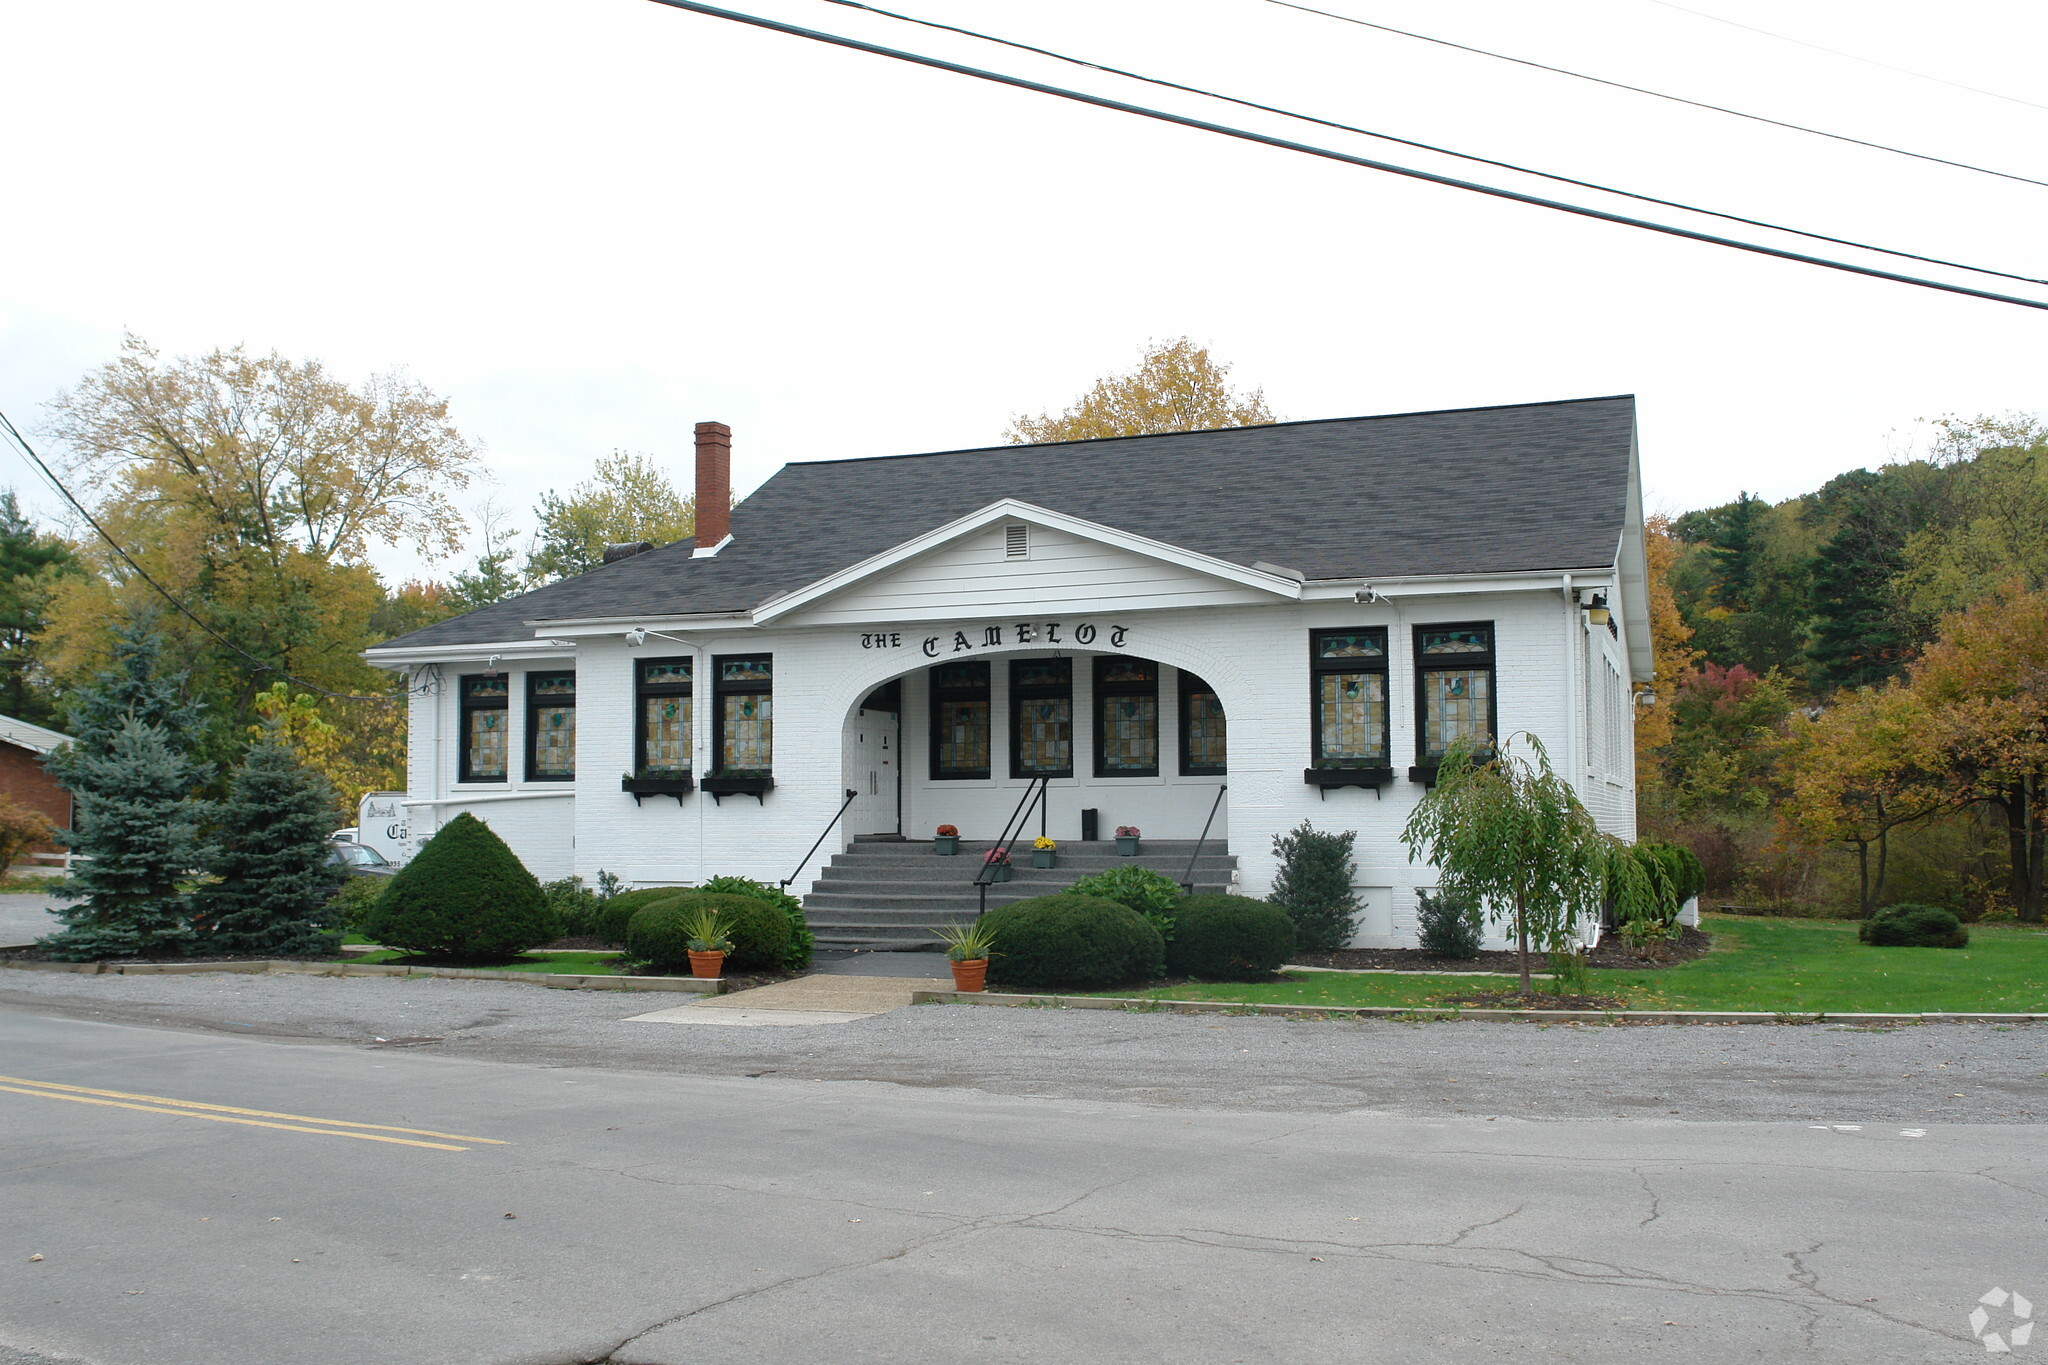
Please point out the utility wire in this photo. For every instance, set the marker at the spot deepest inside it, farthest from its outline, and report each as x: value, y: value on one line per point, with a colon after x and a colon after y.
x: 58, y: 484
x: 1329, y: 154
x: 1658, y: 94
x: 1850, y: 56
x: 1431, y: 147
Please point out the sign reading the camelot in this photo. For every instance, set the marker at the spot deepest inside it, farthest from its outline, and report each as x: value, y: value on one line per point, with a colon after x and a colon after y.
x: 1084, y: 634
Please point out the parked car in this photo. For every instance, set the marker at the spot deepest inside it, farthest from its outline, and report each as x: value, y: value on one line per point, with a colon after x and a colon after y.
x: 344, y: 836
x: 358, y: 860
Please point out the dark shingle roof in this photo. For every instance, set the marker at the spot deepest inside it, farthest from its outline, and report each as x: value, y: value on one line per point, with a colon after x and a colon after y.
x: 1469, y: 490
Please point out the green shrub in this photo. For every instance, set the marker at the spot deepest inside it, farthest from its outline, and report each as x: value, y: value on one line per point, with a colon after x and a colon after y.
x: 1450, y: 923
x: 801, y: 941
x: 1314, y: 886
x: 349, y: 907
x: 575, y: 905
x: 660, y: 932
x: 618, y: 912
x: 464, y: 895
x: 1229, y: 938
x: 1152, y: 894
x: 1083, y: 942
x: 1906, y: 925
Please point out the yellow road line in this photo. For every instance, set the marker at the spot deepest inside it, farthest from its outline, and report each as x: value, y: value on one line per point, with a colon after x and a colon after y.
x: 253, y: 1113
x: 224, y: 1118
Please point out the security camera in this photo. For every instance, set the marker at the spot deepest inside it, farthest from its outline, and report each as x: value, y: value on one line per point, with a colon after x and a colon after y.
x: 1367, y: 595
x: 636, y: 637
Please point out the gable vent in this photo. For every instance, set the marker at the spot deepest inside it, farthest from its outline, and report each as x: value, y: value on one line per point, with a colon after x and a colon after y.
x: 1016, y: 542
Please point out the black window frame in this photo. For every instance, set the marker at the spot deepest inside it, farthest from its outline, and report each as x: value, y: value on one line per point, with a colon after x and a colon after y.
x: 984, y: 692
x: 468, y: 704
x: 1104, y: 689
x: 1019, y: 695
x: 1454, y: 663
x: 643, y: 689
x: 1318, y: 666
x: 1191, y: 685
x: 721, y: 688
x: 534, y: 702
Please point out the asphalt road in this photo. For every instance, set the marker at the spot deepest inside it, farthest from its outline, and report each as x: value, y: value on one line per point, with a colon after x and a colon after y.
x: 699, y: 1218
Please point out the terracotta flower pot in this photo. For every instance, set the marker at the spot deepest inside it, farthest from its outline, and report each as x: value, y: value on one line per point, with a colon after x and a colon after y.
x: 970, y: 976
x: 706, y: 964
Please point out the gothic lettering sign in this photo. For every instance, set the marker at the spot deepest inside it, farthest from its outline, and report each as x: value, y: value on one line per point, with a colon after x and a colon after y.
x: 1045, y: 634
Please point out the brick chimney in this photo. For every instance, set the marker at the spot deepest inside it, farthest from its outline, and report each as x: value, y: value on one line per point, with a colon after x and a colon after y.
x: 714, y: 484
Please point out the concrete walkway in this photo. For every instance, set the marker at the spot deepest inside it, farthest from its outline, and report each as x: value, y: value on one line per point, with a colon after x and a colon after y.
x: 807, y: 1000
x: 26, y: 918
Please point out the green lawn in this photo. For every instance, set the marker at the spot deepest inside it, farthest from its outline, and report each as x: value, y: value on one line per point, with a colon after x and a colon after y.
x: 1788, y: 966
x: 570, y: 964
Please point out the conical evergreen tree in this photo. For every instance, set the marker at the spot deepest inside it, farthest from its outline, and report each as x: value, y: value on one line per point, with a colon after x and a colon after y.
x: 464, y: 895
x: 271, y: 855
x: 138, y: 828
x: 134, y: 686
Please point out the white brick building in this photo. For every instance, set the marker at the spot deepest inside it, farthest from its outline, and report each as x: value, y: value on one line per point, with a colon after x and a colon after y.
x: 1303, y: 613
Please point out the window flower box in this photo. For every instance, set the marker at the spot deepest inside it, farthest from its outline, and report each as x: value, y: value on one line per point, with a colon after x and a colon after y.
x: 718, y: 786
x: 1425, y: 771
x: 657, y: 783
x: 1326, y: 778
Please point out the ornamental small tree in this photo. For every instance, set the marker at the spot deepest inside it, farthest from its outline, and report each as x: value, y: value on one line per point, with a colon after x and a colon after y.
x: 1314, y: 886
x: 1515, y: 835
x: 464, y: 895
x: 21, y: 829
x: 139, y: 829
x: 271, y: 855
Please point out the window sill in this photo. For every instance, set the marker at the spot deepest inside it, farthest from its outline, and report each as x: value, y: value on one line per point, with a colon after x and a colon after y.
x: 678, y: 787
x: 1370, y: 778
x: 718, y: 786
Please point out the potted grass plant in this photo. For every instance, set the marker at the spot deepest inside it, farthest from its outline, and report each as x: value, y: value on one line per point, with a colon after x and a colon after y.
x: 946, y: 842
x: 1044, y: 852
x: 967, y: 953
x: 708, y: 943
x: 997, y: 862
x: 1127, y: 841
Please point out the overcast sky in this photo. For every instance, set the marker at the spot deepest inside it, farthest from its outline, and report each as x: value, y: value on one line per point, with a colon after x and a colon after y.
x: 593, y: 223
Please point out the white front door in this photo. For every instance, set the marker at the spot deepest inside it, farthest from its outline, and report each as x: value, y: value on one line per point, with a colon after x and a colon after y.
x: 871, y: 770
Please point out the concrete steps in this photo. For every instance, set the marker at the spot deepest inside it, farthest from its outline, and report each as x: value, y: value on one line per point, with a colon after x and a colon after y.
x: 889, y: 895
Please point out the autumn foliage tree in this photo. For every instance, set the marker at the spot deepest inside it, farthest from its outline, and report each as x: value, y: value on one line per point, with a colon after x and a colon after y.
x: 1176, y: 387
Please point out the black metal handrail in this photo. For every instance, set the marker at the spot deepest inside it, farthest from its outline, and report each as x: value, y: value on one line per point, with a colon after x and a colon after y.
x: 1013, y: 828
x: 1187, y: 884
x: 805, y: 861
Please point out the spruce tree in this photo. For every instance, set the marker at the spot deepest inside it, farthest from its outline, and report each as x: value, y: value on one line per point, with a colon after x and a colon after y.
x: 1314, y: 886
x: 138, y: 828
x: 271, y: 855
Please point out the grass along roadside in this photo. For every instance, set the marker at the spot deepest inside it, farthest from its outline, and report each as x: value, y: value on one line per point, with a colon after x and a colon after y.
x: 1784, y: 966
x: 566, y: 964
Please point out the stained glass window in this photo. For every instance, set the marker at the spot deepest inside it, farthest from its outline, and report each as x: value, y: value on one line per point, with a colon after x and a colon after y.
x: 1126, y: 716
x: 486, y: 755
x: 1203, y: 748
x: 1042, y: 718
x: 960, y: 721
x: 1348, y: 682
x: 1454, y: 686
x: 1351, y: 719
x: 550, y: 727
x: 666, y: 742
x: 745, y: 715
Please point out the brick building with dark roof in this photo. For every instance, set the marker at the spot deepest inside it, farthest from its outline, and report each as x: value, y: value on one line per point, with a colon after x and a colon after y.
x: 1209, y: 636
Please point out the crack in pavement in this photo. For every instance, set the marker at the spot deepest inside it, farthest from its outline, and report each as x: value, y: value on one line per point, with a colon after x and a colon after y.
x: 1656, y: 1203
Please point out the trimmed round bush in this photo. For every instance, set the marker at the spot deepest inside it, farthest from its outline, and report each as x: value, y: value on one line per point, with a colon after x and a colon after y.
x: 1081, y: 942
x: 615, y: 914
x: 1229, y: 938
x: 1906, y: 925
x: 464, y: 895
x: 759, y: 931
x: 802, y: 942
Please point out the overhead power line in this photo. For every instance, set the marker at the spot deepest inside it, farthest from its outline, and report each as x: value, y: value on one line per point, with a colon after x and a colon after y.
x: 1432, y: 147
x: 1850, y: 56
x: 1329, y: 154
x: 1658, y: 94
x: 50, y: 476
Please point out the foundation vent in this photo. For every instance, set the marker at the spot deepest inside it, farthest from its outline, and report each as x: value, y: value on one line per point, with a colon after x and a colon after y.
x: 1016, y: 542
